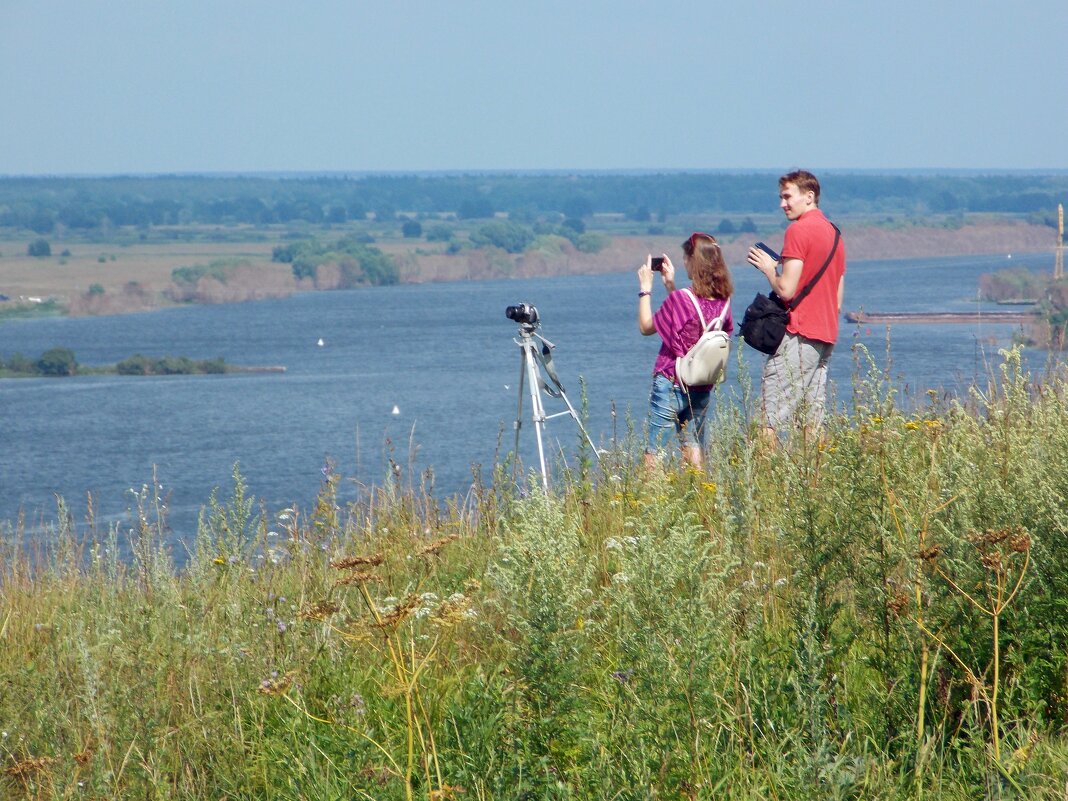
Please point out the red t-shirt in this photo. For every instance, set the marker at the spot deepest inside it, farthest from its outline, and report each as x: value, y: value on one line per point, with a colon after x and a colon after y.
x: 810, y: 238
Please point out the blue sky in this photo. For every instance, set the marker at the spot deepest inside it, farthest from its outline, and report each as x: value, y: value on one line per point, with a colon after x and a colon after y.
x: 143, y: 86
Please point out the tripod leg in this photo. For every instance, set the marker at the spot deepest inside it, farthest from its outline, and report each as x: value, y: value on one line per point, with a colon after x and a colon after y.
x: 519, y: 411
x: 538, y: 411
x: 578, y: 422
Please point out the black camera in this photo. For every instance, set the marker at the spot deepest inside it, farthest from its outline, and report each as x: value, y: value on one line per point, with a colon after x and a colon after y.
x: 522, y: 313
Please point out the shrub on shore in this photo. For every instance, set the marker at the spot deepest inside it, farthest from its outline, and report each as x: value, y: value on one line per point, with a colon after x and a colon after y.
x: 876, y: 615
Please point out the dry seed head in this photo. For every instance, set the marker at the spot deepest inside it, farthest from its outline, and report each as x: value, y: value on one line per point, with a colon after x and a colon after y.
x: 1021, y: 542
x: 897, y: 603
x: 436, y: 546
x: 319, y: 611
x: 356, y: 577
x: 349, y: 562
x: 929, y: 554
x: 83, y: 757
x: 400, y: 612
x: 25, y: 768
x: 992, y: 560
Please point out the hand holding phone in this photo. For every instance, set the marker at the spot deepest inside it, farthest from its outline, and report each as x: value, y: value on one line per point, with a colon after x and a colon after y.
x: 658, y: 263
x: 768, y: 250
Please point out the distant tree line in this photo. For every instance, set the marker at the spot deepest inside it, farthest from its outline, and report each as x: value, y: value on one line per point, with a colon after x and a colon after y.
x: 87, y: 204
x: 57, y: 362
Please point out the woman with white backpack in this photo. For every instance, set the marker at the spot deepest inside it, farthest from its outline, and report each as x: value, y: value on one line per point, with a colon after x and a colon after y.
x: 685, y: 317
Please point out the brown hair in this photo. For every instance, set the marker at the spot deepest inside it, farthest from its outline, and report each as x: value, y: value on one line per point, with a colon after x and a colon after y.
x: 707, y: 268
x: 804, y: 181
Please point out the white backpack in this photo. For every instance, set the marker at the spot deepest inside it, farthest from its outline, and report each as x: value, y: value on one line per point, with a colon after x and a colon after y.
x: 706, y: 361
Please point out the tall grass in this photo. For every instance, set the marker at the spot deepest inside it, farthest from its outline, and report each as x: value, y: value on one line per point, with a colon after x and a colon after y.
x: 880, y: 614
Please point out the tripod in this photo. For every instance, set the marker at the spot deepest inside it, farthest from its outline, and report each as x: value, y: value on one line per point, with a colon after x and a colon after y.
x: 535, y: 366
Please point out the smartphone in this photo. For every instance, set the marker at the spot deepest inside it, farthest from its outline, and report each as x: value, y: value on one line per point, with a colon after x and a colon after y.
x: 658, y: 263
x: 768, y: 250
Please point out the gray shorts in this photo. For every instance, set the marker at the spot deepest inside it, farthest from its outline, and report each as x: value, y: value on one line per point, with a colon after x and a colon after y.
x: 794, y: 385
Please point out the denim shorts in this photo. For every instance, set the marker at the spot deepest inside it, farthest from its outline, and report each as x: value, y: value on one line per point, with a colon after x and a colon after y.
x: 673, y: 410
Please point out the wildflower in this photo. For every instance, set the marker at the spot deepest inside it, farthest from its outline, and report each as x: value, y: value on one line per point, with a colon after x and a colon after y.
x: 622, y: 676
x: 357, y: 704
x: 620, y: 578
x: 281, y: 627
x: 912, y: 425
x: 612, y: 544
x: 274, y: 686
x: 219, y: 560
x: 710, y: 487
x: 452, y: 610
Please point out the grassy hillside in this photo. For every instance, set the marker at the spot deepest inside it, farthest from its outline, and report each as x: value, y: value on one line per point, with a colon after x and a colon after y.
x: 879, y: 615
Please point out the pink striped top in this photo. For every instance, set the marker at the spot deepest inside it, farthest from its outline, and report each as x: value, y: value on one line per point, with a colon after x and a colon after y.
x: 679, y: 327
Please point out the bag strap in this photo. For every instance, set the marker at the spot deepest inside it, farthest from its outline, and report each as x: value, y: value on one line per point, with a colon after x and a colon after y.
x: 800, y: 296
x: 718, y: 322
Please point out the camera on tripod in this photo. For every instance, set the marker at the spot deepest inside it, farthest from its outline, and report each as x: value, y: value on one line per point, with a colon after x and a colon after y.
x: 522, y: 313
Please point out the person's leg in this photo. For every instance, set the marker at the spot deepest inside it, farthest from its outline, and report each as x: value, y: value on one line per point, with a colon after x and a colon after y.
x: 814, y: 359
x: 693, y: 417
x: 781, y: 389
x: 663, y: 419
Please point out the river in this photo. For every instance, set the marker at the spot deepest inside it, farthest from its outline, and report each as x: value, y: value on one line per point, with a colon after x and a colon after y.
x: 425, y: 375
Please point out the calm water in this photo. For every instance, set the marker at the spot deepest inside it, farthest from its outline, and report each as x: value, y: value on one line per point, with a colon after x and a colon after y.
x: 442, y: 354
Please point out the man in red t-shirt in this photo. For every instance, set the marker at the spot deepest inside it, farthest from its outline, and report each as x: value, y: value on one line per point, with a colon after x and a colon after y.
x: 794, y: 385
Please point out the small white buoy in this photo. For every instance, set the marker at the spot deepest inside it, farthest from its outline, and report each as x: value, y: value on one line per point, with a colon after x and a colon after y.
x: 507, y: 387
x: 320, y: 343
x: 396, y: 410
x: 1009, y: 256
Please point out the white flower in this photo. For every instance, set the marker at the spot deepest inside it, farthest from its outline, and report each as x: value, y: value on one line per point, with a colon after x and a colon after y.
x: 620, y: 578
x: 612, y: 544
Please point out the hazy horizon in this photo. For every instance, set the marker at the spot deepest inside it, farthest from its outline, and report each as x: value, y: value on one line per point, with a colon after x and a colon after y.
x: 94, y: 88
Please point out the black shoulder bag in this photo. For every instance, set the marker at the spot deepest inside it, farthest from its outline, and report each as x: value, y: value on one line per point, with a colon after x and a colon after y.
x: 764, y: 323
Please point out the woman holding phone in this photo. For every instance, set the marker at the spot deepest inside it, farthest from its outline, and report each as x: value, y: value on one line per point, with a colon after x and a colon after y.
x: 674, y: 409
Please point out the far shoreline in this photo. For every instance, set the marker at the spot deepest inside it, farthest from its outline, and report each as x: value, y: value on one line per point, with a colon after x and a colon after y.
x: 66, y: 294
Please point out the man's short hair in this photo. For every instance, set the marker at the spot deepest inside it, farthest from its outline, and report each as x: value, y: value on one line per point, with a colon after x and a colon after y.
x: 804, y: 181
